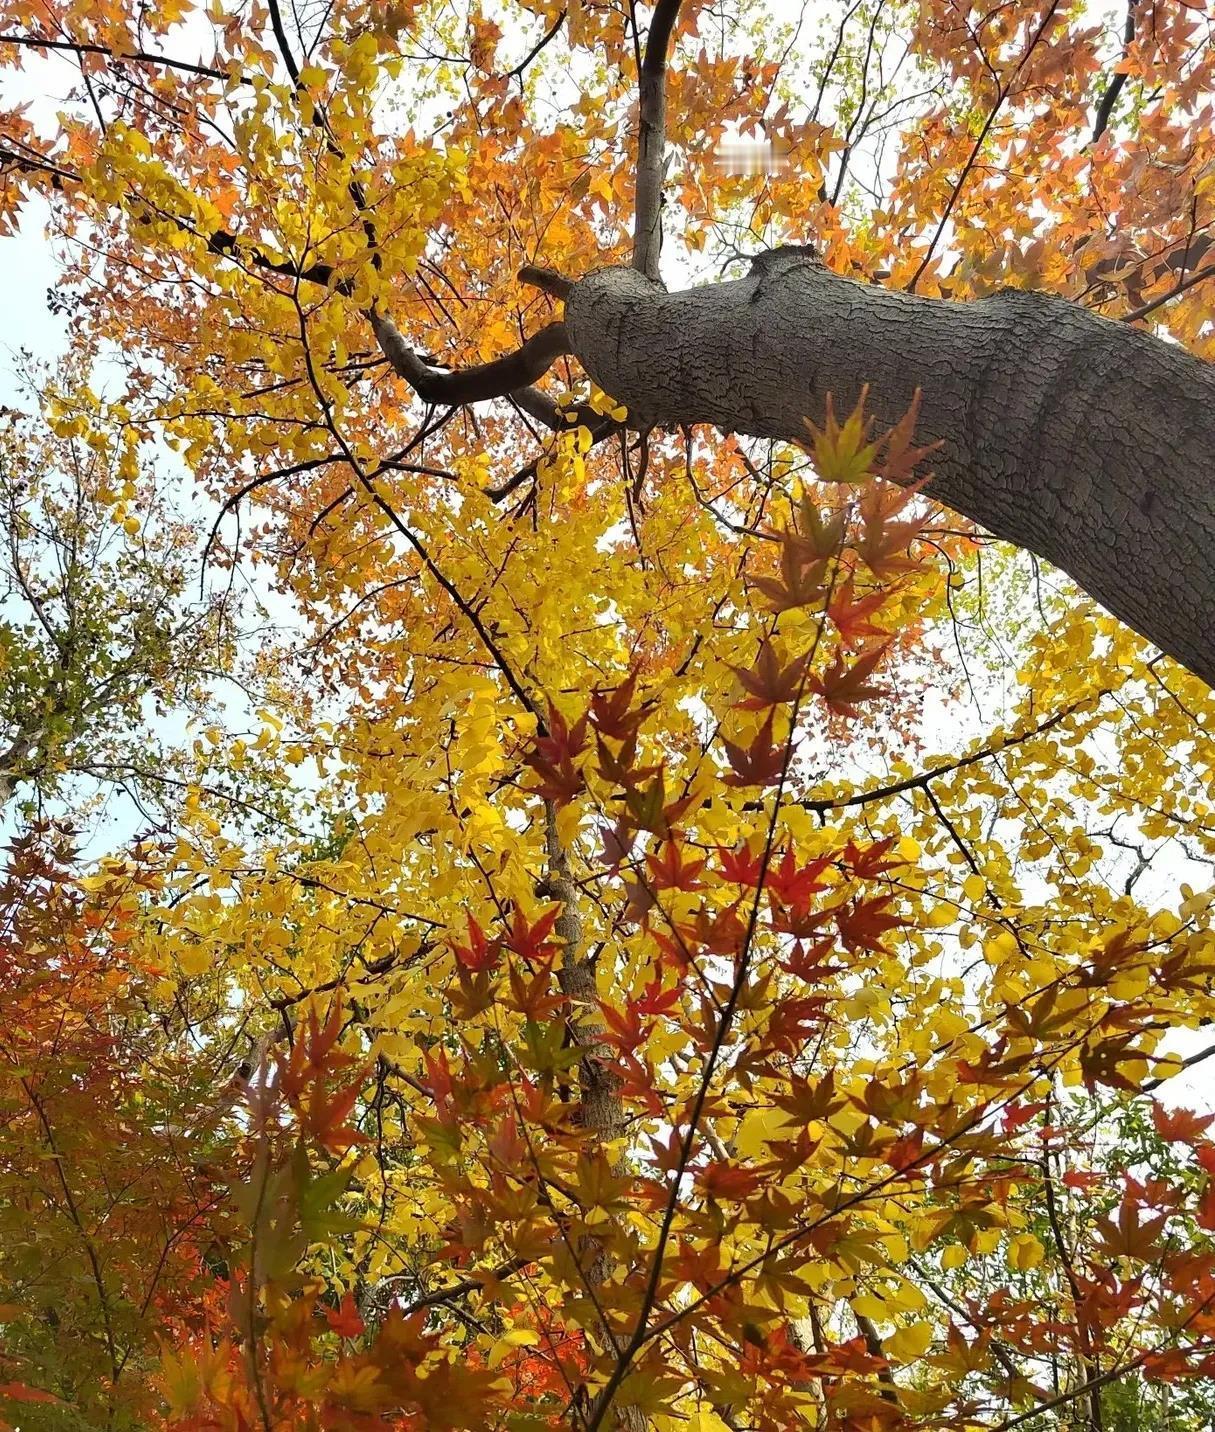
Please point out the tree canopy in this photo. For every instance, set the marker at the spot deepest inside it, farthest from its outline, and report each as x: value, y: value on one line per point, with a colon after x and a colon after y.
x: 642, y: 900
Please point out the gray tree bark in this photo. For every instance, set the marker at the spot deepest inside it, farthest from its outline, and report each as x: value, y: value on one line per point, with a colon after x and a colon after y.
x: 1089, y: 442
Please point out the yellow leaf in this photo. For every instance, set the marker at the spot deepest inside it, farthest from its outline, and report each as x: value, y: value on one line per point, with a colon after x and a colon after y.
x: 705, y: 1421
x: 906, y: 1298
x: 193, y: 960
x: 517, y: 1337
x: 869, y: 1306
x: 1024, y: 1252
x: 910, y: 1342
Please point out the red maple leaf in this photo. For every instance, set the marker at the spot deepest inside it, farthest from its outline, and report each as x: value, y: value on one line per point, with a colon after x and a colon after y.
x: 899, y: 458
x: 315, y: 1052
x: 656, y: 1000
x: 480, y: 953
x: 620, y: 767
x: 530, y: 942
x: 791, y: 885
x: 1018, y: 1115
x: 863, y: 923
x: 721, y: 932
x: 759, y: 764
x: 820, y: 534
x: 851, y: 613
x: 807, y: 964
x: 795, y: 1020
x: 610, y: 711
x: 306, y: 1072
x: 624, y: 1027
x: 552, y: 758
x: 903, y: 1153
x: 884, y: 545
x: 345, y: 1320
x: 740, y: 867
x: 727, y: 1180
x: 677, y: 953
x: 800, y: 584
x: 617, y: 845
x: 869, y: 861
x: 844, y: 687
x: 668, y: 870
x: 22, y: 1392
x: 437, y: 1079
x: 532, y: 992
x: 1180, y: 1125
x: 770, y: 682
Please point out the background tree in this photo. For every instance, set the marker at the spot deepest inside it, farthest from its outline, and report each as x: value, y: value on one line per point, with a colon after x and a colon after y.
x: 111, y: 1138
x: 108, y: 657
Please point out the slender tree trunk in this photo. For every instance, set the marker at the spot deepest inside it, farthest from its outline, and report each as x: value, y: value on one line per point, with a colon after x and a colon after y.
x: 1089, y: 442
x: 602, y: 1111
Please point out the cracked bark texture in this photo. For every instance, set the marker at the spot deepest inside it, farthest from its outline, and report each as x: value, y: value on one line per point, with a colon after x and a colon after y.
x: 1089, y: 442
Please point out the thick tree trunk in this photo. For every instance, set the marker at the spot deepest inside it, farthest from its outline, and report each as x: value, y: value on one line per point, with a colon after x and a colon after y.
x: 1088, y: 442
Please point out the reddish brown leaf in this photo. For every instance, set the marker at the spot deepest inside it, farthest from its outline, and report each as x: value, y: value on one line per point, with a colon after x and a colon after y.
x: 844, y: 687
x: 759, y: 764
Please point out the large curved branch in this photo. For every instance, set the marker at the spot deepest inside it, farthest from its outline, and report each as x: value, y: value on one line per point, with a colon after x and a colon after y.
x: 510, y: 375
x: 1089, y: 442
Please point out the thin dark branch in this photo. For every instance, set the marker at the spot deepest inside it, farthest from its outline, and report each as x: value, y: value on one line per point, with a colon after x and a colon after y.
x: 604, y: 428
x: 33, y: 159
x: 641, y: 1330
x: 1112, y: 90
x: 1178, y: 288
x: 366, y: 481
x: 956, y: 192
x: 280, y: 39
x: 1087, y: 1389
x: 234, y: 499
x: 549, y: 35
x: 462, y: 1289
x: 921, y: 781
x: 652, y: 138
x: 830, y: 65
x: 1200, y: 1058
x: 146, y: 57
